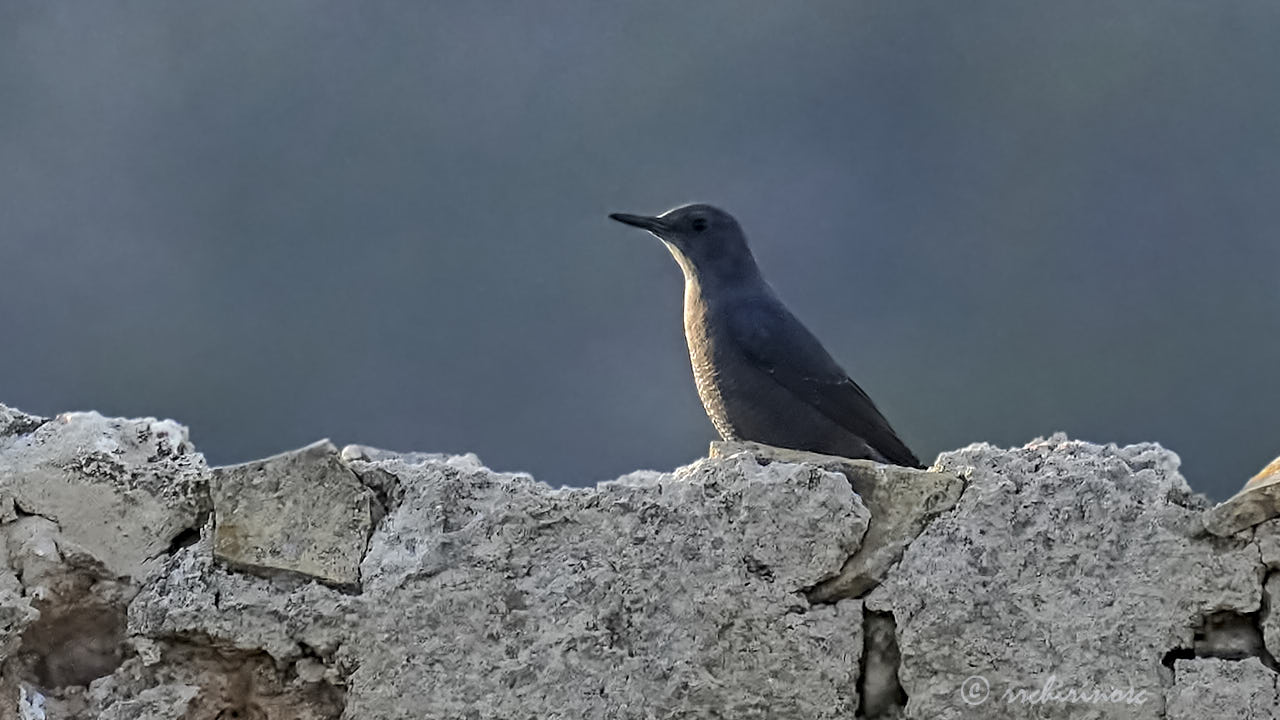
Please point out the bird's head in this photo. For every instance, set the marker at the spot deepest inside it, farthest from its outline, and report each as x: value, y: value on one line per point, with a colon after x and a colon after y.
x: 705, y: 240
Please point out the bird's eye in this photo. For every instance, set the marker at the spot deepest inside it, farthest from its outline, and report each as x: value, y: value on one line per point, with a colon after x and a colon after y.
x: 699, y: 224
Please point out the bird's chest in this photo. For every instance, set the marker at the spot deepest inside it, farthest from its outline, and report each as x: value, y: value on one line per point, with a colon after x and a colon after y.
x: 710, y: 354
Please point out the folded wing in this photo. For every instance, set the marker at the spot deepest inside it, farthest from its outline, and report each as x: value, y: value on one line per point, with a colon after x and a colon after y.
x: 776, y: 342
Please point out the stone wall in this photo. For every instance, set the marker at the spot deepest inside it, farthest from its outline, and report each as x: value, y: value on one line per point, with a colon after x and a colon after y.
x: 1057, y: 580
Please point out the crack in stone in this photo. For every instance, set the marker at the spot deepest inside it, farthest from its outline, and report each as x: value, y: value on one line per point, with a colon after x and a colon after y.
x: 1226, y: 635
x: 828, y: 590
x: 881, y: 693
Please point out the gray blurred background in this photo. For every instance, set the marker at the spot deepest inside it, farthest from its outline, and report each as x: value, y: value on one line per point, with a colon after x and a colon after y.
x: 385, y: 222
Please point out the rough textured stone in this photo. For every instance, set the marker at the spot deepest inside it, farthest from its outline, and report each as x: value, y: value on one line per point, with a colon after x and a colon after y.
x: 195, y: 597
x: 1063, y: 559
x: 125, y: 488
x: 16, y: 612
x: 302, y: 512
x: 1257, y: 502
x: 1271, y: 617
x: 1211, y: 688
x: 1064, y: 566
x: 657, y: 595
x: 193, y: 683
x: 163, y: 702
x: 30, y: 704
x: 74, y: 621
x: 16, y: 422
x: 654, y: 591
x: 1267, y: 538
x: 901, y: 500
x: 1267, y: 535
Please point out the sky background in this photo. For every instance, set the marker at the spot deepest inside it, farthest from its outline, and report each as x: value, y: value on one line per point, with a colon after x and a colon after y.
x: 386, y: 223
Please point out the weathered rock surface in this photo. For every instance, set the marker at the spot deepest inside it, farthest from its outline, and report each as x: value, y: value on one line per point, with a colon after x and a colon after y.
x: 1065, y: 559
x: 672, y: 595
x: 1211, y: 688
x: 87, y: 506
x: 122, y: 488
x: 902, y: 501
x: 302, y: 512
x: 1072, y: 580
x: 656, y: 593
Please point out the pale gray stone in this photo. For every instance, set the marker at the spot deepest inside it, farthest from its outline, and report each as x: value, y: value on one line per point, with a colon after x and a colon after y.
x: 31, y: 544
x: 674, y: 595
x: 679, y: 591
x: 901, y: 501
x: 369, y: 453
x: 16, y: 612
x: 124, y: 488
x: 301, y: 512
x: 30, y: 703
x: 163, y: 702
x: 483, y: 595
x: 1267, y: 535
x: 1063, y: 559
x: 1271, y: 617
x: 200, y: 683
x: 15, y: 422
x: 1212, y: 688
x: 195, y: 597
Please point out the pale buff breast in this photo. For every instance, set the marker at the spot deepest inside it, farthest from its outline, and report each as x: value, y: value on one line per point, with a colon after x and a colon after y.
x: 705, y: 376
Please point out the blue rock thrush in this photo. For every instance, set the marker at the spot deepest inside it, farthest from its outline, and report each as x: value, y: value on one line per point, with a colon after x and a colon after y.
x: 761, y: 374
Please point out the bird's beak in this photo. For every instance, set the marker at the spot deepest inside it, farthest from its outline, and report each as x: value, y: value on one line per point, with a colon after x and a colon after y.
x: 652, y: 224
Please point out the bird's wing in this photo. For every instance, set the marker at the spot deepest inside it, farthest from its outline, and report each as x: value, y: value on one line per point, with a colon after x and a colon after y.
x: 771, y: 337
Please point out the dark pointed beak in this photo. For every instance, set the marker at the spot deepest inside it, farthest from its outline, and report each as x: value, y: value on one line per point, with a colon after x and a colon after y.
x: 652, y: 224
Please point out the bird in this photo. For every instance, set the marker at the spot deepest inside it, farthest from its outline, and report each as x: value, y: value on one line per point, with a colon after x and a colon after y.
x: 761, y: 374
